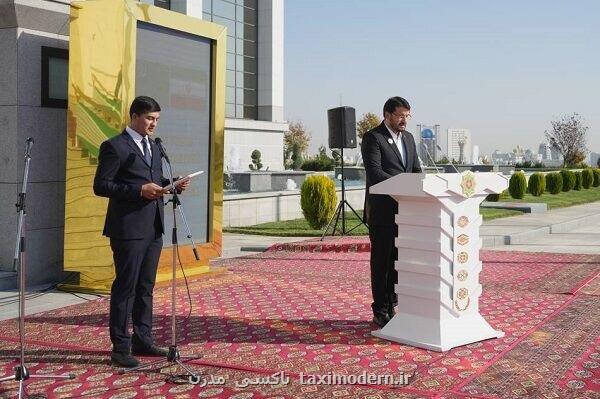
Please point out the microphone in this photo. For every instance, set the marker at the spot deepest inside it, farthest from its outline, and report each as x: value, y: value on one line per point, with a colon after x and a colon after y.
x: 163, y: 153
x: 440, y: 150
x: 28, y: 145
x: 430, y: 158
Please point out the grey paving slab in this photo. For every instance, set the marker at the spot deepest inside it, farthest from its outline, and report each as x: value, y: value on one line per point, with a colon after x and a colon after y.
x: 36, y: 301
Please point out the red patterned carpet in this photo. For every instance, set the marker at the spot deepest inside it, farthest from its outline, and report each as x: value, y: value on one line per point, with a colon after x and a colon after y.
x: 305, y: 309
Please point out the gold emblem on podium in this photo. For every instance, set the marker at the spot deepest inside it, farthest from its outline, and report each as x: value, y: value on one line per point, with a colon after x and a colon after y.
x: 468, y: 183
x: 463, y: 257
x: 462, y: 239
x: 462, y: 293
x: 463, y: 221
x: 462, y: 275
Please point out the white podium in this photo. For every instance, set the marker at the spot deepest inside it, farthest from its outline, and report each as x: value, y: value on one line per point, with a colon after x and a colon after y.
x: 438, y: 258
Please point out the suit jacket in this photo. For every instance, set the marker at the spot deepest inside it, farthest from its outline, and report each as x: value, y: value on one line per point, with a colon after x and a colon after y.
x: 120, y: 175
x: 382, y: 160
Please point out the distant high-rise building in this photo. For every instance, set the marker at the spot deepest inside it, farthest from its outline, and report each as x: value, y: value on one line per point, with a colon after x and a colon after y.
x: 475, y: 157
x: 458, y: 138
x: 544, y: 151
x: 428, y: 135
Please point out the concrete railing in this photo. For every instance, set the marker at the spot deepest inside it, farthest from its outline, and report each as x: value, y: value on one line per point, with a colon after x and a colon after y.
x: 248, y: 209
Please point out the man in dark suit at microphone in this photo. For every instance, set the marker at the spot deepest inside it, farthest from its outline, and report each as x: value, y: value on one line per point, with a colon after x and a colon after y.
x: 386, y: 150
x: 130, y: 174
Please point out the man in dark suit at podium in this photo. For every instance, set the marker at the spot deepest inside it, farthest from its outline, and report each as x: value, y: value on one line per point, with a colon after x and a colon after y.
x: 387, y: 151
x: 130, y: 174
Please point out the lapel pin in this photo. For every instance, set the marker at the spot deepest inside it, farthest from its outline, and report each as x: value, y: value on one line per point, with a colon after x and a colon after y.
x: 390, y: 141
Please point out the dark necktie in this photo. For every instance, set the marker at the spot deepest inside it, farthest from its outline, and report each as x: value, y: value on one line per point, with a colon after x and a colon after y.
x: 146, y: 151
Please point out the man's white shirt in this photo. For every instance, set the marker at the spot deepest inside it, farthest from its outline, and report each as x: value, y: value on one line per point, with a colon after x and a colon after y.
x: 398, y: 141
x: 137, y: 138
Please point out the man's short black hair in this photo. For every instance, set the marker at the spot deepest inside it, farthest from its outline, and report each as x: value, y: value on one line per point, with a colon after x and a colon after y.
x: 142, y: 105
x: 392, y: 103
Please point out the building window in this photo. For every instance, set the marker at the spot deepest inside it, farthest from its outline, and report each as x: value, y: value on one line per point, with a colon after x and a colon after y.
x: 55, y: 77
x: 240, y: 17
x: 163, y: 4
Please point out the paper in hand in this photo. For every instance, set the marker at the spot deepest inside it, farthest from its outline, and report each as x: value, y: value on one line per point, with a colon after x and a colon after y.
x: 183, y: 180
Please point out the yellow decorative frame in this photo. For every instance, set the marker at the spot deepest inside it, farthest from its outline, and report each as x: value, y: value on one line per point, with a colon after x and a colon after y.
x: 102, y: 53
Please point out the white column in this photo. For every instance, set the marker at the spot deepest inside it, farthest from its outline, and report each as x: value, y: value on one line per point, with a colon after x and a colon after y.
x: 270, y: 60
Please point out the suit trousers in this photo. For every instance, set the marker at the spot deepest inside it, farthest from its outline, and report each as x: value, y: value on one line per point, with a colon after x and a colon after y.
x: 136, y: 262
x: 383, y: 272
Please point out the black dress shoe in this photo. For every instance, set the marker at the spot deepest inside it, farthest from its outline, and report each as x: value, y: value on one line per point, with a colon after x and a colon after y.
x: 392, y: 311
x: 124, y: 359
x: 381, y: 319
x: 152, y: 350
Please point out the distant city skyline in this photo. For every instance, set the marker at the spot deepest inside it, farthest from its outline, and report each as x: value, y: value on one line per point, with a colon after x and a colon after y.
x: 503, y: 70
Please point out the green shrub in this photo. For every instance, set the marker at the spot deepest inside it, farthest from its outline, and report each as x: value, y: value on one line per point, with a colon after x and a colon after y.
x: 493, y: 197
x: 318, y: 200
x: 517, y: 186
x: 537, y: 184
x: 578, y: 181
x: 554, y: 182
x: 504, y: 195
x: 596, y: 173
x: 568, y: 179
x: 256, y: 163
x: 587, y: 178
x: 318, y: 164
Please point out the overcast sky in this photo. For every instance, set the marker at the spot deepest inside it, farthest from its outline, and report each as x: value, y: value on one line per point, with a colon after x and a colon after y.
x: 502, y: 69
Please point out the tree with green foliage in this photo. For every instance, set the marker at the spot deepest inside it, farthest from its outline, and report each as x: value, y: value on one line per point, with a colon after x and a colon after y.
x: 368, y: 121
x: 587, y: 178
x: 256, y: 164
x: 596, y: 173
x: 295, y: 144
x: 568, y: 180
x: 318, y: 199
x: 578, y: 181
x: 554, y: 183
x: 517, y: 185
x: 568, y: 136
x: 537, y: 184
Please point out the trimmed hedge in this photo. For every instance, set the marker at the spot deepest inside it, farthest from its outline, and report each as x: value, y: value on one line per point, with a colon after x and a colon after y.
x: 596, y: 173
x: 578, y: 181
x: 493, y: 197
x: 317, y: 164
x: 517, y: 186
x: 568, y: 180
x: 537, y: 184
x: 554, y: 183
x: 318, y: 200
x: 587, y: 178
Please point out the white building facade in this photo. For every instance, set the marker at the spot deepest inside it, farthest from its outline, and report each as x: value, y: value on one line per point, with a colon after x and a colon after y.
x: 254, y: 81
x: 455, y: 136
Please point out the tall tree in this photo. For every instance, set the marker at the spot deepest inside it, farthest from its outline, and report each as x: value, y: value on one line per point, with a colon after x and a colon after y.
x: 367, y: 122
x: 295, y: 144
x: 568, y: 136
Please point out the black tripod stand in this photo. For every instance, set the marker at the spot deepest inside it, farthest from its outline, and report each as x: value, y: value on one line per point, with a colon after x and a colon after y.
x: 21, y: 371
x: 340, y: 211
x: 173, y: 356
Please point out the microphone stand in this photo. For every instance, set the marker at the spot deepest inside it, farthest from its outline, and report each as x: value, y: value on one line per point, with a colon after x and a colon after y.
x: 430, y: 157
x: 440, y: 149
x: 173, y: 357
x: 21, y: 371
